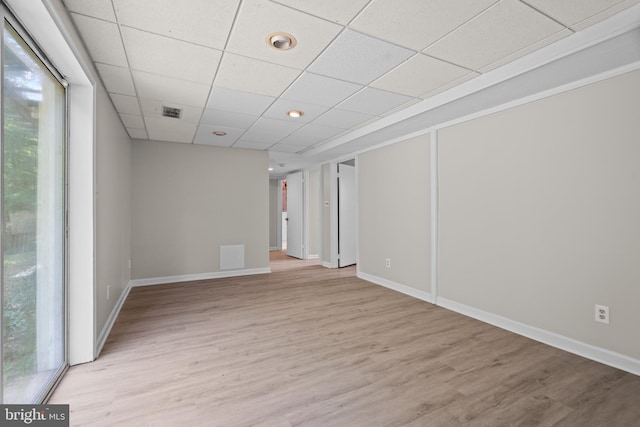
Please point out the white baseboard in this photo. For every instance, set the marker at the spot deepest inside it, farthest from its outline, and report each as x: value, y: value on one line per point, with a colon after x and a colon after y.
x: 104, y: 334
x: 326, y: 264
x: 201, y: 276
x: 424, y: 296
x: 589, y: 351
x: 316, y: 256
x: 274, y: 248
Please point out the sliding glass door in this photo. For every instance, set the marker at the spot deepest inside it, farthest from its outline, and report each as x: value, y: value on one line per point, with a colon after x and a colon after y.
x: 33, y: 234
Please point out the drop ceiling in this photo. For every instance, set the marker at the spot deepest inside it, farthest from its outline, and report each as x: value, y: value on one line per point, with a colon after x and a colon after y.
x: 357, y: 64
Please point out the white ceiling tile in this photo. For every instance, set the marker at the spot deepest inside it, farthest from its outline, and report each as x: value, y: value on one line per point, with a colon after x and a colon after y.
x: 166, y: 129
x: 252, y: 145
x: 227, y: 118
x: 418, y: 75
x: 570, y: 12
x: 102, y: 39
x: 252, y: 75
x: 283, y: 148
x: 343, y: 119
x: 532, y: 47
x: 205, y: 136
x: 449, y: 85
x: 257, y: 136
x: 279, y: 109
x: 498, y: 32
x: 604, y: 14
x: 373, y: 101
x: 170, y: 57
x: 339, y: 11
x: 102, y: 9
x: 131, y: 121
x: 259, y: 18
x: 116, y: 79
x: 416, y: 23
x: 401, y: 107
x: 239, y: 102
x: 153, y: 108
x: 167, y: 89
x: 125, y: 104
x: 301, y: 140
x: 270, y: 130
x: 318, y: 131
x: 275, y: 127
x: 320, y: 90
x: 202, y: 22
x: 137, y: 133
x: 359, y: 58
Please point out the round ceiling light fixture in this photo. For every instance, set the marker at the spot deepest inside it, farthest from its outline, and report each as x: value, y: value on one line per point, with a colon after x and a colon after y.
x: 295, y: 113
x: 281, y: 41
x: 219, y: 133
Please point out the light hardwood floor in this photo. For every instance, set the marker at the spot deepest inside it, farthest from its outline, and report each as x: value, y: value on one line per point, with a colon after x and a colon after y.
x: 310, y: 346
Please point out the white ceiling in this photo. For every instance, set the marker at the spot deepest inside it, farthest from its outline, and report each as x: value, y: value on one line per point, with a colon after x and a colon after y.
x: 355, y: 63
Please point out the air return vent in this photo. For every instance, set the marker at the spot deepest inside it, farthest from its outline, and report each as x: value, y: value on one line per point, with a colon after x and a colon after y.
x: 174, y: 113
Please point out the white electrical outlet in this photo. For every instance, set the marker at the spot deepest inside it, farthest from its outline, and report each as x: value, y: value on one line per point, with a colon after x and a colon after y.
x: 602, y: 314
x: 108, y: 290
x: 388, y: 262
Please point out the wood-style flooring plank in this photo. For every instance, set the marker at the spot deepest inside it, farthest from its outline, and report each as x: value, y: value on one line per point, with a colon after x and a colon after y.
x: 310, y: 346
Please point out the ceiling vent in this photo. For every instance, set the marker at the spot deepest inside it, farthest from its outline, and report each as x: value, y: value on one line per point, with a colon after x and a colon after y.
x: 174, y: 113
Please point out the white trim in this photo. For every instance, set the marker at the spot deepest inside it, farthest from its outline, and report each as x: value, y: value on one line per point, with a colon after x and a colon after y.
x: 608, y: 357
x: 434, y: 215
x: 314, y: 256
x: 106, y: 330
x: 412, y: 292
x: 333, y: 214
x: 279, y: 211
x: 274, y: 248
x: 544, y: 94
x: 326, y: 264
x: 201, y: 276
x: 305, y: 214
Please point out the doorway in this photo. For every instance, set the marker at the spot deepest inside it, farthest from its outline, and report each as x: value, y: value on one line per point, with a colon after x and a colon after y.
x: 347, y: 206
x: 295, y: 215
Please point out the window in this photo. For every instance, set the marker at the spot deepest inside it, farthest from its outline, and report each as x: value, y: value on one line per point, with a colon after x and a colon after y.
x: 33, y: 223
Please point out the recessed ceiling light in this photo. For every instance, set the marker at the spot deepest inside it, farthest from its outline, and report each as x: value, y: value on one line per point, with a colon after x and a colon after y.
x: 219, y: 133
x: 295, y: 113
x: 281, y: 41
x: 270, y: 169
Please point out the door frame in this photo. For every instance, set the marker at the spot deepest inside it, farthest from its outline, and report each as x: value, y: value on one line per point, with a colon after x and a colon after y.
x: 303, y: 202
x: 333, y: 213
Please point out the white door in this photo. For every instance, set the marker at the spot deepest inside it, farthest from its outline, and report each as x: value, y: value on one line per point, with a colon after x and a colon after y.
x: 295, y: 211
x: 346, y: 215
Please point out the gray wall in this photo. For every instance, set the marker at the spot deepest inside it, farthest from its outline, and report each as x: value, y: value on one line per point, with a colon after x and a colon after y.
x: 190, y: 199
x: 113, y: 207
x: 394, y: 213
x: 539, y: 213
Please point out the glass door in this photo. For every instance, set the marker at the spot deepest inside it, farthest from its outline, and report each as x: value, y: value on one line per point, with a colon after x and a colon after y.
x: 33, y: 350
